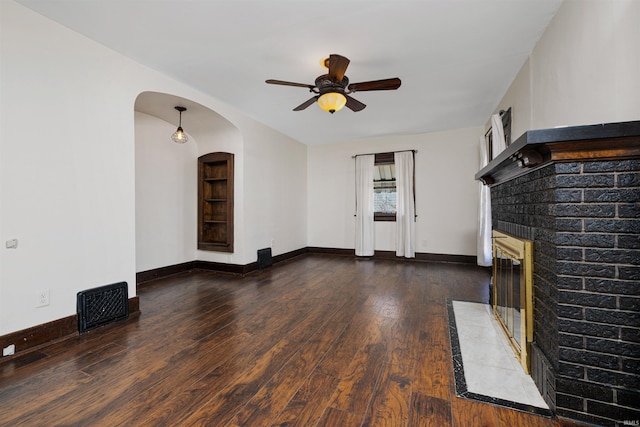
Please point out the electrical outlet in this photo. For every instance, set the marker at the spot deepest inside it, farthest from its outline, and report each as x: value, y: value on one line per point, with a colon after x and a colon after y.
x: 42, y: 298
x: 9, y: 350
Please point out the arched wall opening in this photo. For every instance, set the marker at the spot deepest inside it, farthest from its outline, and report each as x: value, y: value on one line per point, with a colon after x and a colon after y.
x: 166, y: 178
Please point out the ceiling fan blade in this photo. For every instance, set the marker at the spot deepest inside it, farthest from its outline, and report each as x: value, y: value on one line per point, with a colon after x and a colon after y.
x: 385, y: 84
x: 283, y: 83
x: 306, y: 104
x: 354, y: 104
x: 337, y: 67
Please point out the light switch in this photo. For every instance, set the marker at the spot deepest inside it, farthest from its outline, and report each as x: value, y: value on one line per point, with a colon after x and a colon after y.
x: 12, y: 244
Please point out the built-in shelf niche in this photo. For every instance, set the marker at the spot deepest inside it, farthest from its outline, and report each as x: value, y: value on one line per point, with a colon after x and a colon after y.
x: 215, y: 202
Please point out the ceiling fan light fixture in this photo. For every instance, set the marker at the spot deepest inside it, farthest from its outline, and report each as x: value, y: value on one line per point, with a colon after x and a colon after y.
x: 179, y: 136
x: 332, y: 101
x: 333, y: 91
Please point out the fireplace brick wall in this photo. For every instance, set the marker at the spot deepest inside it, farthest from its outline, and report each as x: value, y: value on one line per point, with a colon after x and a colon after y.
x: 584, y: 219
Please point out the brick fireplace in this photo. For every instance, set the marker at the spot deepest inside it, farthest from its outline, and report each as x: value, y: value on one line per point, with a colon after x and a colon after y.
x: 575, y: 192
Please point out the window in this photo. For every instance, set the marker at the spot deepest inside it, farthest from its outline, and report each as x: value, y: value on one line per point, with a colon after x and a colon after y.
x: 506, y: 126
x: 384, y: 188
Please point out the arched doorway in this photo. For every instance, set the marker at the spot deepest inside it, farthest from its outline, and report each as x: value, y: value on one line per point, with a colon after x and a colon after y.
x: 165, y: 186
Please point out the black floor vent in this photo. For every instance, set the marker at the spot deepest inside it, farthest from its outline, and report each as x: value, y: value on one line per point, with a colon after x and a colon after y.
x: 99, y: 306
x: 264, y: 258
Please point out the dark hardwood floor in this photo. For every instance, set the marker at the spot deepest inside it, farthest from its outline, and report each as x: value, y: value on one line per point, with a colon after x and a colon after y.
x: 321, y: 340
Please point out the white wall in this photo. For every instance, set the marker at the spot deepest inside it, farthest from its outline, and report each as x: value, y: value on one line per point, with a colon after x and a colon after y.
x: 446, y: 192
x: 165, y: 191
x: 518, y: 97
x: 584, y: 69
x: 67, y: 169
x: 270, y: 190
x: 275, y: 193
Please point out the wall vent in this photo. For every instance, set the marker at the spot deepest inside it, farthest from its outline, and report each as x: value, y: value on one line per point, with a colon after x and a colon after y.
x: 264, y: 258
x: 100, y: 306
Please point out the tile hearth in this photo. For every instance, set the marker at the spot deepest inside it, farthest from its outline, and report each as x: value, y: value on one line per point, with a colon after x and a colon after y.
x: 485, y: 366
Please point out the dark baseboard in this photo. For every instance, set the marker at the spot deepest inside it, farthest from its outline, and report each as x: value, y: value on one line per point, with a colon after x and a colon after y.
x: 35, y: 336
x: 332, y: 251
x: 134, y: 306
x: 158, y: 273
x: 170, y: 270
x: 460, y: 259
x: 289, y: 255
x: 247, y: 268
x: 144, y: 278
x: 56, y: 330
x: 224, y: 268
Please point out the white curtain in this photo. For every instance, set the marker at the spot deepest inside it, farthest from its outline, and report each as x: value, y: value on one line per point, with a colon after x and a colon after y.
x: 498, y: 143
x: 364, y: 205
x: 485, y: 255
x: 405, y: 205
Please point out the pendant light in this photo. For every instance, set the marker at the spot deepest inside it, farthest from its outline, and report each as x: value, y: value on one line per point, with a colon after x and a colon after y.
x: 179, y: 136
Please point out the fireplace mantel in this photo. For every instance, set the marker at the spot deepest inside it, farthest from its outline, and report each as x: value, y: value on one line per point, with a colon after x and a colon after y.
x: 535, y: 148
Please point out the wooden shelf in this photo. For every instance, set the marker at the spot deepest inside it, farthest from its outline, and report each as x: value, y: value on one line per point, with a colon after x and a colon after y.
x: 215, y: 202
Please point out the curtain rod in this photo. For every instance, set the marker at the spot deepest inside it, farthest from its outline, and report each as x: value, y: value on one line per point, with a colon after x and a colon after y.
x: 369, y: 154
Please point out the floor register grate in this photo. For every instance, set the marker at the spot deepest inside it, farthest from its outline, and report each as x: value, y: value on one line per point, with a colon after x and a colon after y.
x: 100, y: 306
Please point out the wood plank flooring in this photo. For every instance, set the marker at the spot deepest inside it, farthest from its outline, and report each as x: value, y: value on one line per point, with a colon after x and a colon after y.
x: 321, y: 340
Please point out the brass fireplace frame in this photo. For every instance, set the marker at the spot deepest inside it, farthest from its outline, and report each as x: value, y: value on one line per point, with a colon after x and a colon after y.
x: 513, y: 286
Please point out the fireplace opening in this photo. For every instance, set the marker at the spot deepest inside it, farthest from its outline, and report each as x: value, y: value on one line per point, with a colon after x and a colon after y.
x: 513, y: 292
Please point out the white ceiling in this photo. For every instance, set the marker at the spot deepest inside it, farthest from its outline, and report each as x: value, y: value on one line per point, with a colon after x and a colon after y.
x: 456, y: 58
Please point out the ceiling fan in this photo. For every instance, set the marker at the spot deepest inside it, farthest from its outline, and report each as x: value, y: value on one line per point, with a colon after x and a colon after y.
x: 333, y: 89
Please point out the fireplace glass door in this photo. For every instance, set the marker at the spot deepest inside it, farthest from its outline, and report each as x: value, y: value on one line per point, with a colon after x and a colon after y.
x: 512, y: 299
x: 508, y: 304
